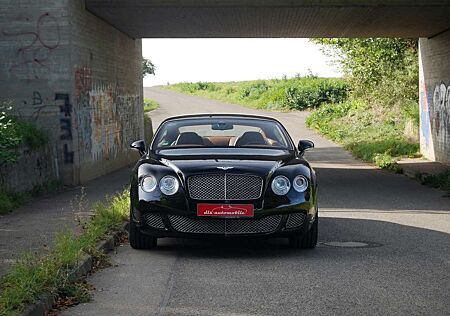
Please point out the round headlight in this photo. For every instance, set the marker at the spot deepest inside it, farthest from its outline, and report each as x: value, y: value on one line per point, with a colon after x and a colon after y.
x: 281, y: 185
x: 149, y: 183
x: 168, y: 185
x: 300, y: 183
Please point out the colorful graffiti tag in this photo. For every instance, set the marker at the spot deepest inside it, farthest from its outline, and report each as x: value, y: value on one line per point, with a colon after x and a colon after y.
x: 106, y: 116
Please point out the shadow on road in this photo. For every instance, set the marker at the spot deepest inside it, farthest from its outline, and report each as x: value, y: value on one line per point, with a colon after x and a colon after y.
x: 383, y: 238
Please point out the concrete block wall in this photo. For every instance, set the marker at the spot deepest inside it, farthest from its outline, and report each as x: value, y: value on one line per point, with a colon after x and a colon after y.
x: 76, y: 77
x: 434, y: 88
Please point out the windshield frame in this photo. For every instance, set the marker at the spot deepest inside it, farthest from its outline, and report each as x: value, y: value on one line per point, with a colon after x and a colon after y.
x: 290, y: 144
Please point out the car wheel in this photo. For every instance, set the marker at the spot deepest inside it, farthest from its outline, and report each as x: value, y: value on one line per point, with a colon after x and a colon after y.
x: 308, y: 240
x: 139, y: 240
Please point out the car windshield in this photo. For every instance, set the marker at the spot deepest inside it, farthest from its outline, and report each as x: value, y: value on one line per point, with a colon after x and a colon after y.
x: 221, y: 132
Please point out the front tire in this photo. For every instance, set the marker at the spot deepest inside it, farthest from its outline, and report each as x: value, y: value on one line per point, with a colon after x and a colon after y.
x: 139, y: 240
x: 308, y: 240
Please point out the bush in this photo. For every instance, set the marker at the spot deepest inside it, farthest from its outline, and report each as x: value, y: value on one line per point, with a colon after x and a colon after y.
x: 14, y: 132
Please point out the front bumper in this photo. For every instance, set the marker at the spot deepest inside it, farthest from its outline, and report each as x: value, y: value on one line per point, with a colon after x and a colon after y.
x: 279, y: 222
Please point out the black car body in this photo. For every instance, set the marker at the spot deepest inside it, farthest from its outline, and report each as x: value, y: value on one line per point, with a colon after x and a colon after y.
x: 190, y: 184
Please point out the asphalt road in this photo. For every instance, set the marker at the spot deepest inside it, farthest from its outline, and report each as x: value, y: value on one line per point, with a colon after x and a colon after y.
x: 403, y: 270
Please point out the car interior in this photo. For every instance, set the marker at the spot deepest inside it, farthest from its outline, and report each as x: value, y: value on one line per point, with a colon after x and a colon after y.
x: 250, y: 138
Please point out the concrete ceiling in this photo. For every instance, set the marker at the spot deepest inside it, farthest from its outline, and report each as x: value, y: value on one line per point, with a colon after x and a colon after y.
x: 274, y: 18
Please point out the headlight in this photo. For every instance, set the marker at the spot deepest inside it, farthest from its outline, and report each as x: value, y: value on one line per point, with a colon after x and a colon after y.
x: 149, y: 183
x: 168, y: 185
x: 280, y: 185
x: 300, y: 183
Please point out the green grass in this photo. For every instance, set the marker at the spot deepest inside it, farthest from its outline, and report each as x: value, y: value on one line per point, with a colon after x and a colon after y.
x: 150, y: 105
x: 33, y: 276
x: 12, y: 200
x: 278, y: 94
x: 441, y: 181
x: 372, y: 134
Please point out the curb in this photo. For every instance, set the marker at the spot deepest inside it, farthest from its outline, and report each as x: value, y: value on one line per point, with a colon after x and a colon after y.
x: 46, y: 301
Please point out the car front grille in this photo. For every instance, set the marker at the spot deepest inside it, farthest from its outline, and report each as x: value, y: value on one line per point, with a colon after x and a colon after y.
x: 225, y: 187
x: 154, y: 220
x: 295, y: 220
x: 225, y: 226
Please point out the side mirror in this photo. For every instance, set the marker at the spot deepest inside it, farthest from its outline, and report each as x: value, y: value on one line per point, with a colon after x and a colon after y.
x: 304, y: 145
x: 139, y: 145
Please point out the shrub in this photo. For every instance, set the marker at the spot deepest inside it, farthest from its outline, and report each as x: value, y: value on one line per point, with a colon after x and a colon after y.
x: 14, y: 132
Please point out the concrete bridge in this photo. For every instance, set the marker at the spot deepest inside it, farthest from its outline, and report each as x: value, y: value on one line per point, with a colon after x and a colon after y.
x: 74, y: 66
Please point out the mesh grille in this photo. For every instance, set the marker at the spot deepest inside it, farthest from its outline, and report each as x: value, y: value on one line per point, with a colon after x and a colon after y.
x: 225, y: 226
x: 225, y: 187
x: 295, y: 220
x: 154, y: 220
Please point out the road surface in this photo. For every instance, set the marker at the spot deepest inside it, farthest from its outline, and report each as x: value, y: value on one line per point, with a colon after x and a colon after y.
x: 402, y: 268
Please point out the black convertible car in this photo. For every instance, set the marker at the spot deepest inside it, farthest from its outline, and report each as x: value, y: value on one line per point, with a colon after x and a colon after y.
x: 223, y: 175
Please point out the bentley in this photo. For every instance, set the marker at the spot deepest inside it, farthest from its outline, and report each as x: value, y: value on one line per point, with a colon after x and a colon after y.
x: 223, y: 176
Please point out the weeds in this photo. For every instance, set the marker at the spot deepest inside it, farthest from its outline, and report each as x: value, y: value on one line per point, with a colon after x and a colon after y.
x: 12, y: 200
x: 441, y: 181
x: 33, y: 276
x: 372, y: 134
x: 150, y: 105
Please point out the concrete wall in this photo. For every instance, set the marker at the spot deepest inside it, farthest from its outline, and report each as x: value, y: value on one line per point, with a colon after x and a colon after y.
x: 34, y: 168
x: 435, y: 97
x: 75, y: 76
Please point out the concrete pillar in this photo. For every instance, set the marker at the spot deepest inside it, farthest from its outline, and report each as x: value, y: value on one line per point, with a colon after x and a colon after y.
x: 434, y: 90
x: 75, y: 76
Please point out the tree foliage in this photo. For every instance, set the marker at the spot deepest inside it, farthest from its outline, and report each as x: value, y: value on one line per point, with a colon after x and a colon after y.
x: 148, y: 68
x: 377, y: 67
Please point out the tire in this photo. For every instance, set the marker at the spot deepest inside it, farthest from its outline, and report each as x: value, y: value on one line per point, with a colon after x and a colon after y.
x: 140, y: 241
x: 308, y: 240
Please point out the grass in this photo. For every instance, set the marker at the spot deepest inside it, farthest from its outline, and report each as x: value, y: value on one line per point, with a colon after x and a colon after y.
x: 12, y: 200
x: 372, y: 134
x: 278, y: 94
x: 33, y: 276
x: 441, y: 181
x: 150, y: 105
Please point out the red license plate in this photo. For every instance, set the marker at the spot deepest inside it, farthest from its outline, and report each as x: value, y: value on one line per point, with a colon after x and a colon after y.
x: 225, y: 210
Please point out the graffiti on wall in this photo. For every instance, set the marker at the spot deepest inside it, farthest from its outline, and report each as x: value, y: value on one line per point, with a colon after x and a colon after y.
x: 65, y: 125
x: 440, y: 114
x: 106, y: 117
x: 36, y: 42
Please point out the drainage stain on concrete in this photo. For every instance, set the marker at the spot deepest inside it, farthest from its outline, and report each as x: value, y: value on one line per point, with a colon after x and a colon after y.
x: 350, y: 244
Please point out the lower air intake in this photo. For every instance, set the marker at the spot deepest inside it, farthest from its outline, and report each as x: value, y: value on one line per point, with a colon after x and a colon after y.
x: 225, y: 226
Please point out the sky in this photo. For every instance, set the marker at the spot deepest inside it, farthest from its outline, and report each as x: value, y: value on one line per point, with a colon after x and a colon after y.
x: 219, y: 60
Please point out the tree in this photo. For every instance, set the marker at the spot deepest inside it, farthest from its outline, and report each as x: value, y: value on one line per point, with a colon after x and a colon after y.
x: 148, y: 68
x: 377, y: 66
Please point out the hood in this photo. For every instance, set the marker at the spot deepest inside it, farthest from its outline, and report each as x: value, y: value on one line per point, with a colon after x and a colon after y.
x: 260, y: 168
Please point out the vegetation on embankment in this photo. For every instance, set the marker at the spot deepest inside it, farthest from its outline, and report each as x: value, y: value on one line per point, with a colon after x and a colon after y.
x: 150, y: 105
x: 379, y: 121
x: 440, y: 181
x: 15, y: 132
x: 33, y: 276
x: 297, y: 93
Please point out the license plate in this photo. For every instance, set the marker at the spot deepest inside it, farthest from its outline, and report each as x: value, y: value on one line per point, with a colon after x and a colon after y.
x: 225, y: 210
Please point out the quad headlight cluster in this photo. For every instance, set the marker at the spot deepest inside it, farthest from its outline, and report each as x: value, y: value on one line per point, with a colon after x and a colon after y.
x: 281, y: 184
x: 168, y: 185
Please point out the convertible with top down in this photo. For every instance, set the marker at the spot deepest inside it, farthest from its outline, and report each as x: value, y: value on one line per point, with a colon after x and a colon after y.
x: 223, y: 176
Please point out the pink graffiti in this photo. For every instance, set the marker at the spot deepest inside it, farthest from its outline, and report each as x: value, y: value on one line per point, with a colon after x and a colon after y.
x: 39, y: 48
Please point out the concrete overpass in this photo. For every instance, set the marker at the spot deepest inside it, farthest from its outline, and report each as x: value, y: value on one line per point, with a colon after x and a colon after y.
x: 74, y: 66
x: 274, y: 18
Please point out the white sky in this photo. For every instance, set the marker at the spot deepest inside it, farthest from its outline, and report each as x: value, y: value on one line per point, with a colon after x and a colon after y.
x: 192, y: 60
